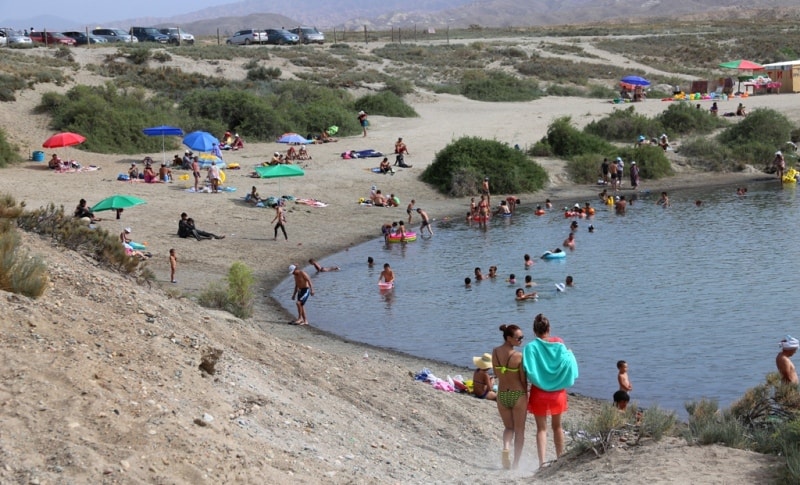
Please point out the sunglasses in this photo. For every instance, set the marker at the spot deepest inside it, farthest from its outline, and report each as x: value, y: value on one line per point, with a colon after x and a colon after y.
x: 519, y: 339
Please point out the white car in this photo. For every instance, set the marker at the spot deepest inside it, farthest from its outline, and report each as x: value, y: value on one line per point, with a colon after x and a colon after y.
x: 247, y: 37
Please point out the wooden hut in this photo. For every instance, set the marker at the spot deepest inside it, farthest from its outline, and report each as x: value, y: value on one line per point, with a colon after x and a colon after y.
x: 787, y: 73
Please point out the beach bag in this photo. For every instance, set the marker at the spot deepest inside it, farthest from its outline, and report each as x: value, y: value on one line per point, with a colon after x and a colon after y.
x: 123, y: 176
x: 271, y: 201
x: 333, y: 130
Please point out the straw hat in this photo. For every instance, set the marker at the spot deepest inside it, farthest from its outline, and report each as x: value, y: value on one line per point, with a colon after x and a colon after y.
x: 483, y: 362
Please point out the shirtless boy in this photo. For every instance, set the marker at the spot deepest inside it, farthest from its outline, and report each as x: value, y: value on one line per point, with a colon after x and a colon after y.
x: 387, y: 275
x: 426, y: 222
x: 622, y: 377
x: 302, y: 290
x: 789, y: 346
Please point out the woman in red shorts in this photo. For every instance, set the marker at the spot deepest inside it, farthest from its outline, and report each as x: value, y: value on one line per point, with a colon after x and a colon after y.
x: 550, y: 368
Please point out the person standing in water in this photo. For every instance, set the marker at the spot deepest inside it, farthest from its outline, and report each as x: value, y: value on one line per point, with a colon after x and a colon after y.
x: 302, y: 290
x: 387, y: 275
x: 426, y: 222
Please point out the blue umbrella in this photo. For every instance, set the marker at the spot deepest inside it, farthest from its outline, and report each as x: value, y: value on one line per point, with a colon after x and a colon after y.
x: 635, y: 81
x: 201, y: 141
x: 292, y: 138
x: 163, y: 131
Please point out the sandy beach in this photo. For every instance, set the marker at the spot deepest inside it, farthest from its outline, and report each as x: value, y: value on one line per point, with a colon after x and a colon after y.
x: 101, y: 380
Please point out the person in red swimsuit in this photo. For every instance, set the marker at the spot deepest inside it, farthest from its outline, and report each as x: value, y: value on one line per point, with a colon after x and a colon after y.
x: 541, y: 403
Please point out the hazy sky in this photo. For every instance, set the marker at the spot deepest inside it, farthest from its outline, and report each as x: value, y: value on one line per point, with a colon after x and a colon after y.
x: 99, y: 10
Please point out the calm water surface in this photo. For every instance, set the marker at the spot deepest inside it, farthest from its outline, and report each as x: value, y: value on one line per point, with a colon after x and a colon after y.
x: 694, y: 298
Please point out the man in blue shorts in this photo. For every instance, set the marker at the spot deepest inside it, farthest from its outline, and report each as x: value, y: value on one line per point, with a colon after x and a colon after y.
x: 302, y: 290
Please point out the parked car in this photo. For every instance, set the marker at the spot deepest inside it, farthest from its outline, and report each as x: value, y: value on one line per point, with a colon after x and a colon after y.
x: 82, y: 39
x: 51, y: 38
x: 309, y: 35
x: 247, y: 37
x: 115, y: 35
x: 149, y: 34
x: 178, y: 36
x: 281, y: 37
x: 15, y: 37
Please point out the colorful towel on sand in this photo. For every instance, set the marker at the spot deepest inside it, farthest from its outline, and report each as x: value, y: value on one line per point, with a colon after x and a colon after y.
x: 550, y: 366
x: 90, y: 168
x: 311, y: 202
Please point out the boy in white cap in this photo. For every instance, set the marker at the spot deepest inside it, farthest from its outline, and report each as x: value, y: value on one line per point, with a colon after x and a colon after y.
x: 789, y: 346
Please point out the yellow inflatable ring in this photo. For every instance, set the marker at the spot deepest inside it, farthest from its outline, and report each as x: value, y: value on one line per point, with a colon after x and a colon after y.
x: 222, y: 176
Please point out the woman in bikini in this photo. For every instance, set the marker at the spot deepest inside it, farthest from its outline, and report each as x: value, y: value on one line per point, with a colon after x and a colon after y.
x: 511, y: 392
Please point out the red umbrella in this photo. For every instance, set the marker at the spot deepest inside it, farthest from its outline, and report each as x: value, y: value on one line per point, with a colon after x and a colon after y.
x: 66, y: 139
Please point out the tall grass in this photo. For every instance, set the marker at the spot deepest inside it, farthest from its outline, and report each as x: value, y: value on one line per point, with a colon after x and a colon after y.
x: 8, y: 153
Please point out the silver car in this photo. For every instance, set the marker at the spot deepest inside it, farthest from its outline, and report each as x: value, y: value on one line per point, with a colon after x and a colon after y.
x: 247, y: 37
x: 178, y: 36
x: 13, y: 37
x: 309, y: 35
x: 115, y: 35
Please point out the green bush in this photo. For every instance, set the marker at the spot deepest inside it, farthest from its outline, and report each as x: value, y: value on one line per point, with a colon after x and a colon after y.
x: 710, y: 154
x: 215, y: 295
x: 8, y: 153
x: 69, y: 232
x: 386, y: 103
x: 123, y: 116
x: 651, y: 160
x: 498, y: 86
x: 584, y: 168
x: 657, y: 422
x: 682, y: 118
x: 624, y: 125
x: 755, y: 138
x: 400, y: 87
x: 261, y: 73
x: 240, y: 290
x: 566, y: 141
x: 138, y: 55
x: 161, y: 56
x: 708, y: 425
x: 460, y: 167
x: 235, y: 110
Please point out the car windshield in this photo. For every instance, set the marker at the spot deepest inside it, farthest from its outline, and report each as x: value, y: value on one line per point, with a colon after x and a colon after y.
x: 309, y: 31
x: 151, y: 31
x: 119, y: 32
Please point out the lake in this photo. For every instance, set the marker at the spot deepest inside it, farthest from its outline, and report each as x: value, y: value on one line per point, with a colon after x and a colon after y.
x: 695, y: 299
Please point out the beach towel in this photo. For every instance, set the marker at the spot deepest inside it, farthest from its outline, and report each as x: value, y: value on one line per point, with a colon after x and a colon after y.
x: 90, y: 168
x: 550, y: 366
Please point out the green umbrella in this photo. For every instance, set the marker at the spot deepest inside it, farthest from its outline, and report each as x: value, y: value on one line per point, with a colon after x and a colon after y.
x: 277, y: 171
x: 117, y: 202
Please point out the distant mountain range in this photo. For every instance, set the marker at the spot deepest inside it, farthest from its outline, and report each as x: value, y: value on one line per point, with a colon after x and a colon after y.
x: 380, y: 15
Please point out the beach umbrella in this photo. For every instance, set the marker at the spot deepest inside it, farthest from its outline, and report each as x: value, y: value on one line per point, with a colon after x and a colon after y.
x: 65, y: 139
x: 279, y: 171
x: 163, y: 131
x: 117, y: 202
x: 61, y: 140
x: 635, y: 81
x: 200, y: 141
x: 742, y: 65
x: 205, y: 159
x: 293, y: 138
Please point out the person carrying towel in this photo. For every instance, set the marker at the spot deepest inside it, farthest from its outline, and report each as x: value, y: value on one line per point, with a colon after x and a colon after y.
x: 789, y: 346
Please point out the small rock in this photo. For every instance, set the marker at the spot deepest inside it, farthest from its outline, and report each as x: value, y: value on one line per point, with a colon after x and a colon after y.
x: 125, y: 464
x: 208, y: 418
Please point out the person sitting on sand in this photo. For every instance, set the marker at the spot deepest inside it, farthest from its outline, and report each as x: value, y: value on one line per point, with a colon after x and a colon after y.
x: 378, y: 200
x: 302, y: 153
x: 54, y: 163
x: 321, y: 269
x: 521, y: 295
x: 324, y: 137
x: 401, y: 150
x: 187, y: 228
x: 384, y: 167
x: 237, y: 143
x: 393, y: 201
x: 82, y: 210
x: 663, y: 142
x: 133, y: 171
x: 276, y: 159
x: 253, y: 196
x: 186, y: 161
x: 482, y: 382
x: 789, y: 346
x: 125, y: 236
x: 740, y: 110
x: 164, y: 173
x: 149, y: 174
x: 291, y: 154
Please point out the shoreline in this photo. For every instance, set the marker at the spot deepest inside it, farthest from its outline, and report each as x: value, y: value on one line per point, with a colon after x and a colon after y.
x: 564, y: 195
